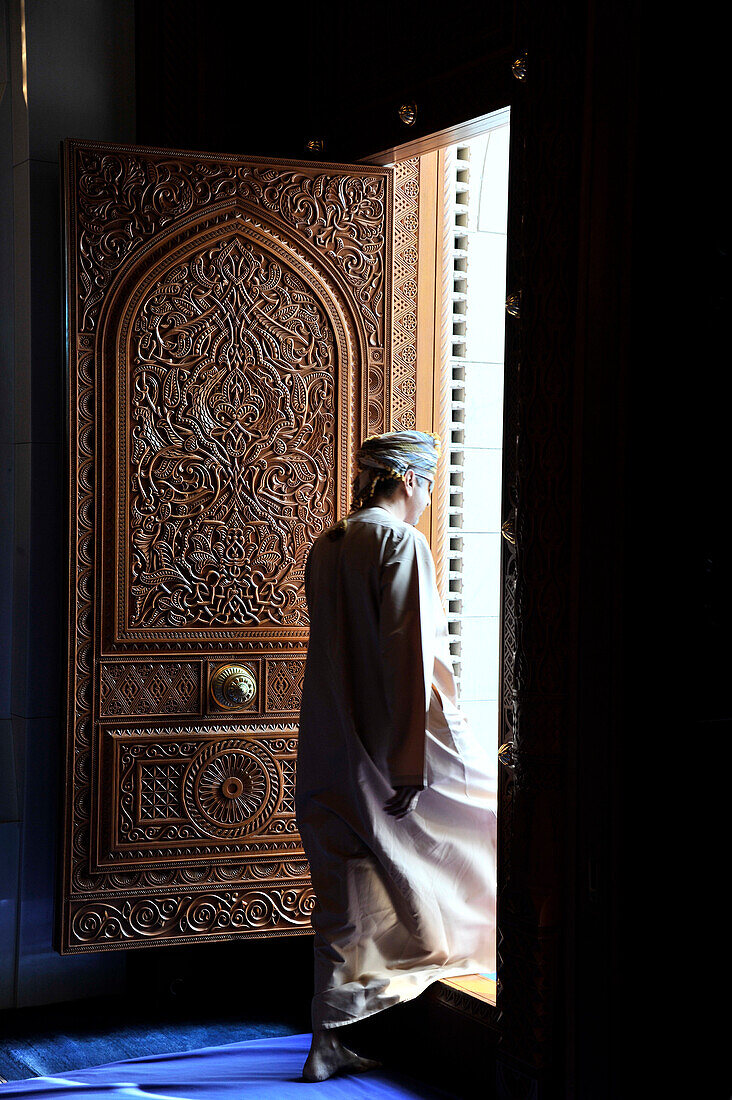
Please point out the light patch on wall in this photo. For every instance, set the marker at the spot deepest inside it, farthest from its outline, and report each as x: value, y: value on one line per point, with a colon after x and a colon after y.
x: 23, y: 52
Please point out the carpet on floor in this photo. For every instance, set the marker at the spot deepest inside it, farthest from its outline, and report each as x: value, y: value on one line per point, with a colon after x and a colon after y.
x: 262, y: 1069
x: 76, y: 1042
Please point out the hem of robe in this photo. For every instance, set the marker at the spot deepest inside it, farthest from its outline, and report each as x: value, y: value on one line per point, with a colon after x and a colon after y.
x: 409, y: 995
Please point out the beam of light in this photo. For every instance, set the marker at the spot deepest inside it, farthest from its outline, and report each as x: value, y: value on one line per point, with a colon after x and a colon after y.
x: 23, y: 52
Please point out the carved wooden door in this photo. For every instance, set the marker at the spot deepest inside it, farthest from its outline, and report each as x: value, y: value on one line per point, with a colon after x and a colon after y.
x: 228, y: 330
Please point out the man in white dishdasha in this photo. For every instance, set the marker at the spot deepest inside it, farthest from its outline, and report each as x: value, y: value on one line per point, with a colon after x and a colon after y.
x: 395, y: 795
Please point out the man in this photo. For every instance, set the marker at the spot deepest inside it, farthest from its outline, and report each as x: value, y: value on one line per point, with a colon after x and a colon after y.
x: 395, y: 797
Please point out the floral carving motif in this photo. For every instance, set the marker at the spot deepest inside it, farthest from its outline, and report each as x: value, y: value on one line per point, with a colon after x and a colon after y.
x: 231, y: 404
x: 190, y: 916
x: 125, y: 198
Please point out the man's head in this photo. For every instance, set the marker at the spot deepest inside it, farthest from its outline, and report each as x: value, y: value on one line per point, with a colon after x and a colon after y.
x: 398, y: 467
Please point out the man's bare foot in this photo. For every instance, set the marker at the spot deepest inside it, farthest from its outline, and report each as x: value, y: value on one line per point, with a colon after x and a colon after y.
x: 328, y: 1056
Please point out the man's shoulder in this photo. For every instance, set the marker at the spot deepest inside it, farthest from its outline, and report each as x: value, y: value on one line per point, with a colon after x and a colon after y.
x: 401, y: 541
x: 384, y: 527
x: 323, y: 542
x: 420, y: 538
x: 370, y: 524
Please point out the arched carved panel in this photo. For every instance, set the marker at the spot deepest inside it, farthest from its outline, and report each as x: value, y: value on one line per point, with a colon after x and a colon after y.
x: 231, y: 395
x: 228, y: 381
x: 229, y: 325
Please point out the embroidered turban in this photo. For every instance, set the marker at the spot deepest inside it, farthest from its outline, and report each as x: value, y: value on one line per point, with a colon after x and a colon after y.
x: 390, y: 456
x: 397, y: 452
x: 386, y: 456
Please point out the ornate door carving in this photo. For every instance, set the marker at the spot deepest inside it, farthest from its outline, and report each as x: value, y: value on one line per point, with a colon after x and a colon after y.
x: 228, y: 327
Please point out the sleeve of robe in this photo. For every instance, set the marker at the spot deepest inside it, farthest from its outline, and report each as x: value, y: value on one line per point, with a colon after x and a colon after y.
x: 407, y: 638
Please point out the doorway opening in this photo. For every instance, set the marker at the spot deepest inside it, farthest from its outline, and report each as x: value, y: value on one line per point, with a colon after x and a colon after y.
x: 448, y: 377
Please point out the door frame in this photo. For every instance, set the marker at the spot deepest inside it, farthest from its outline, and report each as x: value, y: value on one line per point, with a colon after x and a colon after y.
x: 525, y: 1028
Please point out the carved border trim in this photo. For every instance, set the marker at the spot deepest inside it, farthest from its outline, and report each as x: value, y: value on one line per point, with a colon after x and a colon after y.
x: 184, y: 918
x: 404, y: 295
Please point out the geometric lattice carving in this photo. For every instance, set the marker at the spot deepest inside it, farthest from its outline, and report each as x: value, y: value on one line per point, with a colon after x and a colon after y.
x: 404, y: 295
x: 160, y: 791
x: 160, y: 688
x: 180, y: 795
x: 287, y: 801
x: 284, y: 684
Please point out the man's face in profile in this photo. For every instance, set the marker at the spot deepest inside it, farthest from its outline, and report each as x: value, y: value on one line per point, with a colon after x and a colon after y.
x: 418, y: 488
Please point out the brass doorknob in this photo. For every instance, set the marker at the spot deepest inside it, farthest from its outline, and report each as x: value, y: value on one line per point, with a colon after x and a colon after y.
x: 233, y: 686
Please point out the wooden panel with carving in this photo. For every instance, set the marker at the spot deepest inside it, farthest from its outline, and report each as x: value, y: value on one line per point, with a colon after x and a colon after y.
x: 228, y: 370
x: 182, y: 794
x: 284, y: 679
x: 229, y: 327
x: 404, y: 312
x: 129, y: 688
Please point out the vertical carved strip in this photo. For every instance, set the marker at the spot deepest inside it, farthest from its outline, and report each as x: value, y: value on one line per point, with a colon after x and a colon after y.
x: 405, y: 295
x: 442, y: 389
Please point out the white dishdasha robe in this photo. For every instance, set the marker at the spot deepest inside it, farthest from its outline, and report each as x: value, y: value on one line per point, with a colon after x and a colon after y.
x: 403, y: 902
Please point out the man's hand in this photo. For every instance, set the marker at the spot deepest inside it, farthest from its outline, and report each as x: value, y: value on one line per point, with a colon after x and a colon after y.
x: 403, y: 802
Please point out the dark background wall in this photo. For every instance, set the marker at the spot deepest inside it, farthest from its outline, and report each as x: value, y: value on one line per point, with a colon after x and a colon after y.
x: 601, y: 182
x: 79, y: 78
x: 221, y: 77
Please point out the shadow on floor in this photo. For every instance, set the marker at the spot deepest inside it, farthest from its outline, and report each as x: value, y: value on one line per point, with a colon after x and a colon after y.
x: 177, y: 999
x: 185, y: 999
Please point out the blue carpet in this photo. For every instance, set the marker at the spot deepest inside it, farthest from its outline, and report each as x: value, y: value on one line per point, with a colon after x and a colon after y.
x: 46, y: 1040
x: 71, y: 1046
x: 262, y: 1069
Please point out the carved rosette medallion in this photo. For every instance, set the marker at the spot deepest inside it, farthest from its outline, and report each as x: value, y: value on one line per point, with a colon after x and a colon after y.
x: 177, y: 797
x: 231, y: 790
